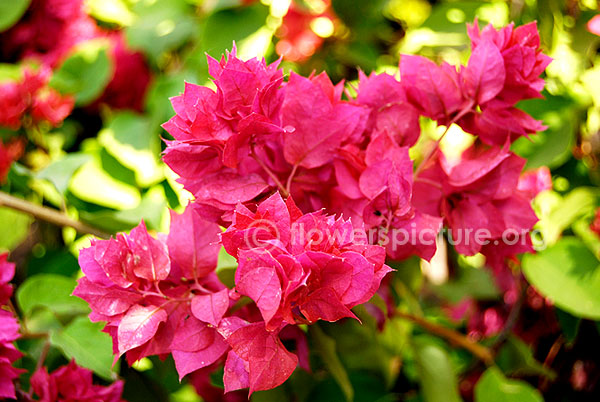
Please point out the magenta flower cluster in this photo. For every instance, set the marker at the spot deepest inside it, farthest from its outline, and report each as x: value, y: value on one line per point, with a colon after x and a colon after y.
x: 293, y: 170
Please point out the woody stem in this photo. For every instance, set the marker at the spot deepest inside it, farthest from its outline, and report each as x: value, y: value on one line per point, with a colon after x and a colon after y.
x: 48, y: 214
x: 481, y: 352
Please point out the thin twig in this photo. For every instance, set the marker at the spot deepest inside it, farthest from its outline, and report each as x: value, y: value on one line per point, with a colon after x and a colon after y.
x: 288, y: 186
x: 481, y: 352
x: 282, y: 189
x: 48, y: 214
x: 513, y: 318
x: 436, y: 147
x: 43, y: 354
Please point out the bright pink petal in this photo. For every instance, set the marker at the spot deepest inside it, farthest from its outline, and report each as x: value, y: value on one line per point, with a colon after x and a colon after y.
x: 211, y: 307
x: 138, y: 326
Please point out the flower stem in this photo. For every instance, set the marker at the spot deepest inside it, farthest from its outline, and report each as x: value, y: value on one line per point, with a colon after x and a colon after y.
x: 48, y: 214
x: 272, y: 175
x: 481, y: 352
x: 288, y: 186
x: 436, y: 147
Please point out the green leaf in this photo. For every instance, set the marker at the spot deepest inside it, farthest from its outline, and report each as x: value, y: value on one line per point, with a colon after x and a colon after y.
x: 60, y: 172
x: 575, y: 204
x: 226, y: 267
x: 10, y: 72
x: 569, y: 324
x: 130, y: 139
x: 436, y: 374
x: 516, y: 358
x: 11, y: 11
x: 83, y: 341
x: 19, y: 227
x: 93, y: 184
x: 85, y: 73
x: 160, y: 25
x: 111, y: 11
x: 493, y: 386
x: 325, y: 346
x: 52, y: 292
x: 569, y: 274
x: 151, y: 209
x: 224, y: 27
x: 582, y: 229
x: 552, y: 147
x: 161, y: 89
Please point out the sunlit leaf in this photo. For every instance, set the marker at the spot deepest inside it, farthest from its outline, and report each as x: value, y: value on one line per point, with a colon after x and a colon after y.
x: 52, y: 292
x: 11, y: 11
x: 493, y: 386
x: 85, y: 73
x: 83, y: 341
x: 436, y: 374
x: 569, y: 274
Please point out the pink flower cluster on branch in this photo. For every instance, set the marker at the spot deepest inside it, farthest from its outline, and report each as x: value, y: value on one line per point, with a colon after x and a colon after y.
x: 272, y: 160
x: 161, y: 296
x: 32, y: 99
x: 147, y: 289
x: 9, y: 332
x: 72, y: 383
x: 51, y: 29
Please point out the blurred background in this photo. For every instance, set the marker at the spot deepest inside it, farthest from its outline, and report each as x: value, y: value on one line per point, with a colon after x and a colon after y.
x: 93, y: 80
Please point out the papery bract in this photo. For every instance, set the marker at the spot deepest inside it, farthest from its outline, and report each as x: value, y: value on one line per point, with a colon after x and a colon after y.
x: 478, y: 197
x: 390, y: 112
x: 9, y: 332
x: 73, y: 383
x: 593, y: 25
x: 9, y: 152
x: 523, y: 58
x: 144, y: 288
x: 319, y: 121
x: 258, y: 353
x: 434, y: 90
x: 311, y: 261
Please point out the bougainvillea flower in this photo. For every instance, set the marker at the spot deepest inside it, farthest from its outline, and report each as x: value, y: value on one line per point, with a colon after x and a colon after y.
x: 593, y: 25
x: 595, y: 225
x: 375, y: 187
x: 477, y: 196
x: 131, y: 77
x: 258, y: 359
x: 31, y: 95
x: 51, y: 29
x: 320, y: 122
x: 48, y: 31
x: 146, y: 289
x: 9, y: 152
x: 9, y: 332
x: 297, y: 41
x: 311, y: 263
x: 504, y: 68
x: 434, y: 90
x: 73, y: 383
x: 389, y: 110
x: 12, y: 105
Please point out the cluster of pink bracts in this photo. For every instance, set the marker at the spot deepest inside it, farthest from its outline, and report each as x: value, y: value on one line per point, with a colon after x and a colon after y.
x: 46, y: 36
x: 68, y: 383
x: 274, y: 161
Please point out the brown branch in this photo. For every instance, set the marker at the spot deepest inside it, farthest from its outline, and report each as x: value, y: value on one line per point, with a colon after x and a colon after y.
x: 48, y: 214
x: 481, y: 352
